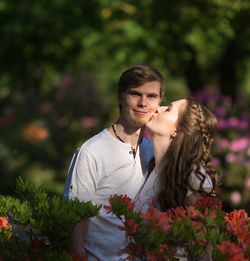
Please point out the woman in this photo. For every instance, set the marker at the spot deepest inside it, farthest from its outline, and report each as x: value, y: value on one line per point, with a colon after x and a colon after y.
x: 182, y: 135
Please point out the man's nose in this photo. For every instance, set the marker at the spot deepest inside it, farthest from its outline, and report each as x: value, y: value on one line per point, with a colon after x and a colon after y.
x: 142, y: 101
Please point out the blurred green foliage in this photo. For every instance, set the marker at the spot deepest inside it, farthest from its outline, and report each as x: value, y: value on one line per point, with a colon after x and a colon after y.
x: 61, y: 60
x: 40, y: 224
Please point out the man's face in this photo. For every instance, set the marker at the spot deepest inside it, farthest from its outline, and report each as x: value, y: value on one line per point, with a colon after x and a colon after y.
x: 139, y: 104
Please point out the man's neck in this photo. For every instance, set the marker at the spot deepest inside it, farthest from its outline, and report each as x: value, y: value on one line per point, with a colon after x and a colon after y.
x: 127, y: 133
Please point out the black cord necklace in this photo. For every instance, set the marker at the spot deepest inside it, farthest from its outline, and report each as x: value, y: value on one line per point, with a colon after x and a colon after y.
x: 133, y: 150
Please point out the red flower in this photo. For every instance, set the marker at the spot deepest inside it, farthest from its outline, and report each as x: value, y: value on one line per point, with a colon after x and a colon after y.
x: 4, y: 223
x: 233, y: 251
x: 123, y: 200
x: 237, y: 222
x: 208, y: 202
x: 180, y: 212
x: 237, y: 216
x: 193, y: 212
x: 130, y: 226
x: 156, y: 218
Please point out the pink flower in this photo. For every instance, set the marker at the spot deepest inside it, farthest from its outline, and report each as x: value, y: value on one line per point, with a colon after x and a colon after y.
x: 224, y: 143
x: 247, y: 183
x: 231, y: 158
x: 240, y: 144
x: 89, y: 122
x: 235, y: 197
x: 215, y: 162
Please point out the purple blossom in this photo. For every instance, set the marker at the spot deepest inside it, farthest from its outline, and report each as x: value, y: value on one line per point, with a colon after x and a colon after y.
x: 226, y: 99
x: 245, y: 116
x: 233, y: 122
x: 220, y: 111
x: 205, y: 97
x: 222, y: 124
x: 243, y: 124
x: 211, y: 99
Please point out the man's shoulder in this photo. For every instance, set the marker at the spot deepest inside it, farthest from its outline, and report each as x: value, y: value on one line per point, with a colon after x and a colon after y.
x: 97, y: 143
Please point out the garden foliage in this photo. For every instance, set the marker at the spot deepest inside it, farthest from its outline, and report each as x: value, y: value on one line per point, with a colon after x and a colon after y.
x: 157, y: 235
x: 37, y: 226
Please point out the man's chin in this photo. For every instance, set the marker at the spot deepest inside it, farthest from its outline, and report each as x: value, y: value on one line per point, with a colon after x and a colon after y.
x: 140, y: 122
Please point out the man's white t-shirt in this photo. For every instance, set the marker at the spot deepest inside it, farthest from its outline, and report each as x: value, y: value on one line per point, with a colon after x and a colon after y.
x: 101, y: 167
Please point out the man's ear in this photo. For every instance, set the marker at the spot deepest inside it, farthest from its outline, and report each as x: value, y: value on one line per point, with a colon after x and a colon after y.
x: 120, y: 98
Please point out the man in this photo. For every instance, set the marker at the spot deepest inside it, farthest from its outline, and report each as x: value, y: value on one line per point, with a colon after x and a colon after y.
x: 114, y: 162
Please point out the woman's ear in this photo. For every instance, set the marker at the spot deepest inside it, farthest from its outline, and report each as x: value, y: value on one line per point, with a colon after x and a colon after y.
x: 173, y: 134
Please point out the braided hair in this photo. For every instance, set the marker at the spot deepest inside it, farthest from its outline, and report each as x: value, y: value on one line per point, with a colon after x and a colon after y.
x: 188, y: 152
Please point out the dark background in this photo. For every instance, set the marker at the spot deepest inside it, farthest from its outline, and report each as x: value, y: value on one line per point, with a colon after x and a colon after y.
x: 60, y: 61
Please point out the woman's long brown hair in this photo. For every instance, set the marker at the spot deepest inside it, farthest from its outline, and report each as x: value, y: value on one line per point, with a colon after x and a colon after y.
x: 189, y: 150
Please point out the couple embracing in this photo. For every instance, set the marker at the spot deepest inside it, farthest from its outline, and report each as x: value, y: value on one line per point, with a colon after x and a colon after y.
x: 172, y: 168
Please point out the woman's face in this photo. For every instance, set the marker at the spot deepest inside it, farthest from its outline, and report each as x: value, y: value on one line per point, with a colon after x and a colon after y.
x: 164, y: 121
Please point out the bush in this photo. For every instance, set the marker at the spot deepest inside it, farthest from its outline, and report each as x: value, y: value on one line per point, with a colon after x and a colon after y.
x: 40, y: 224
x: 157, y: 235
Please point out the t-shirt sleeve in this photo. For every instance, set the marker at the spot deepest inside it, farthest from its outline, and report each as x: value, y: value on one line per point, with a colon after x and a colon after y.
x: 81, y: 180
x: 195, y: 181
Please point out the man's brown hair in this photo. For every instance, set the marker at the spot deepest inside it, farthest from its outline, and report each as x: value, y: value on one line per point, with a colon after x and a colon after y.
x: 136, y: 76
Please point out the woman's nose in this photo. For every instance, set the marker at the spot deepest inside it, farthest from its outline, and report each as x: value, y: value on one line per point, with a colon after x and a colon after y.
x: 162, y: 108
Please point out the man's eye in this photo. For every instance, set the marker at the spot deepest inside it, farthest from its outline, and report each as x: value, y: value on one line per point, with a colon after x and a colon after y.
x: 168, y: 109
x: 134, y: 93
